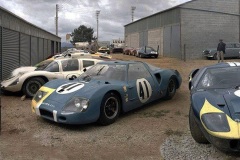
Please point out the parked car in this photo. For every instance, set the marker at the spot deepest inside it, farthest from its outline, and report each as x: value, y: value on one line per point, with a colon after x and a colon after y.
x: 214, y: 112
x: 117, y: 50
x: 103, y: 91
x: 147, y: 51
x: 30, y: 79
x: 104, y: 50
x: 232, y: 51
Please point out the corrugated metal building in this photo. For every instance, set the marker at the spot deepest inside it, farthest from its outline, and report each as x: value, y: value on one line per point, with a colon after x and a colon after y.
x: 184, y: 31
x: 22, y: 43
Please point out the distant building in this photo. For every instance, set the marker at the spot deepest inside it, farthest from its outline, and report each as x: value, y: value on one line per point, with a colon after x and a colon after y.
x: 184, y: 31
x: 118, y: 43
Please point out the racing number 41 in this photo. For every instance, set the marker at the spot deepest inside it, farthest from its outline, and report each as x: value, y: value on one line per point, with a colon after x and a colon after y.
x: 144, y: 89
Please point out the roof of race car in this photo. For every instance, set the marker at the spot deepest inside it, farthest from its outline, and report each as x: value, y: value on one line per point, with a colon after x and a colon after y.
x: 224, y: 64
x: 119, y: 62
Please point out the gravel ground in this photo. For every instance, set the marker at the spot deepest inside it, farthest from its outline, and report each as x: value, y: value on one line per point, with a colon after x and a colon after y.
x: 156, y: 131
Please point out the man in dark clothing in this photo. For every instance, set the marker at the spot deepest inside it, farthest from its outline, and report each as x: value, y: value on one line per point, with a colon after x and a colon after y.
x: 220, y: 50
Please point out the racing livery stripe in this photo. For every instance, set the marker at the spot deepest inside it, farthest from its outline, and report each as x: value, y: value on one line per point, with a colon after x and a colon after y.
x: 237, y: 63
x: 55, y: 115
x: 234, y: 132
x: 231, y: 64
x: 71, y: 87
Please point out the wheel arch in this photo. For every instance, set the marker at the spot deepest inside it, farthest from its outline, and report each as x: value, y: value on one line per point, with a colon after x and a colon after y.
x: 119, y: 96
x: 26, y: 80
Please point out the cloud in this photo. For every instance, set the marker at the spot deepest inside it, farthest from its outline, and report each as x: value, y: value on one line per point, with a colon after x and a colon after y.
x: 114, y: 14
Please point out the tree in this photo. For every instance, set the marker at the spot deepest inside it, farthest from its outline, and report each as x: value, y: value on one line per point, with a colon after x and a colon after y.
x: 82, y: 34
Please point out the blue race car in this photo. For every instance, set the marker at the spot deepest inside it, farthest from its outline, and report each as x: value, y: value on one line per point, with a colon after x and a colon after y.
x: 103, y: 91
x: 214, y: 114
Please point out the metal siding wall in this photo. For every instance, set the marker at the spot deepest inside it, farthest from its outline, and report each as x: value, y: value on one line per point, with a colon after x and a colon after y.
x: 45, y: 50
x: 167, y: 41
x: 175, y: 42
x: 0, y: 53
x: 34, y: 51
x: 25, y: 42
x: 145, y: 38
x: 40, y: 50
x: 49, y: 48
x: 141, y: 39
x: 10, y: 52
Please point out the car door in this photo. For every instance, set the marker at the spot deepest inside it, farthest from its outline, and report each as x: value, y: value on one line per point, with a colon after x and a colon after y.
x: 236, y: 49
x: 229, y: 51
x: 70, y: 68
x: 140, y: 85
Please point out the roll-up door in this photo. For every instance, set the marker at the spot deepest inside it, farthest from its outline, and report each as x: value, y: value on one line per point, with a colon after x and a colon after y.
x: 10, y: 52
x: 0, y: 53
x: 49, y: 47
x: 25, y: 43
x: 40, y: 49
x: 34, y: 51
x: 45, y: 50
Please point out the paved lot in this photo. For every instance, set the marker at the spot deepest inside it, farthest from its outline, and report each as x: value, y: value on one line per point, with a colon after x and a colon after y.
x: 139, y: 134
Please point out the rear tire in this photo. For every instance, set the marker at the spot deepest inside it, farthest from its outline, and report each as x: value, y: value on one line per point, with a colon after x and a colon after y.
x: 171, y: 89
x: 110, y: 109
x: 32, y: 85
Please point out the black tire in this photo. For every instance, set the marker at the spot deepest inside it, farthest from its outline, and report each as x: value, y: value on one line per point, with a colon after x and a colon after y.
x: 215, y: 56
x: 196, y: 132
x: 110, y: 109
x: 31, y: 86
x: 156, y: 56
x: 171, y: 89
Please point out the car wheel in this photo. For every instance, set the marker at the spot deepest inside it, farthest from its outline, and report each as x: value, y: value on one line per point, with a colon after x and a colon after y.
x: 156, y: 56
x: 171, y: 89
x: 215, y: 56
x: 32, y: 85
x: 196, y: 132
x: 110, y: 108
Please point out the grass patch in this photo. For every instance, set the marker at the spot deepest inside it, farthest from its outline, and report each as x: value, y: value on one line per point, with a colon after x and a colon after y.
x: 155, y: 114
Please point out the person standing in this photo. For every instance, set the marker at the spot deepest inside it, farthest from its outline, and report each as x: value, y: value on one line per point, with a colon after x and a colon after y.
x: 220, y: 50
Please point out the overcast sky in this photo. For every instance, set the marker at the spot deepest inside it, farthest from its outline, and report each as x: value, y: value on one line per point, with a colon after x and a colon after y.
x: 114, y: 14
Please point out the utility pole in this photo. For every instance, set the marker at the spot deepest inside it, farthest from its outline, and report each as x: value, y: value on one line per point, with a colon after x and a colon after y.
x: 97, y: 14
x: 57, y: 8
x: 133, y: 8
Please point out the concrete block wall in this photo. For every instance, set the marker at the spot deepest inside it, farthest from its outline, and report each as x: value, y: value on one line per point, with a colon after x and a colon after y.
x: 132, y: 40
x: 155, y: 38
x: 202, y: 29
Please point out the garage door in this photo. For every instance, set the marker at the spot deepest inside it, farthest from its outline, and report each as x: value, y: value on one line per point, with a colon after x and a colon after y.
x: 45, y: 50
x: 40, y: 50
x: 34, y: 51
x: 10, y: 52
x: 175, y: 42
x: 25, y: 56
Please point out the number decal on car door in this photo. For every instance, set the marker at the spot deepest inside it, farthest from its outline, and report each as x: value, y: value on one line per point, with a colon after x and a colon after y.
x: 144, y: 90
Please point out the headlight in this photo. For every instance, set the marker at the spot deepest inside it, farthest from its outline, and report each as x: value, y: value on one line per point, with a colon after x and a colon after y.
x: 76, y: 104
x: 39, y: 95
x: 14, y: 82
x: 216, y: 122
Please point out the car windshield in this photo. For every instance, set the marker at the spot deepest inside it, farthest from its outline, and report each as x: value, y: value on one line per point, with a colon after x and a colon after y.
x: 218, y: 78
x: 42, y: 65
x: 105, y: 72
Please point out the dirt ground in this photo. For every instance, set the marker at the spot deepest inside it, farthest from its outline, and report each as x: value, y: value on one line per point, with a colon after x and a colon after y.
x: 135, y: 135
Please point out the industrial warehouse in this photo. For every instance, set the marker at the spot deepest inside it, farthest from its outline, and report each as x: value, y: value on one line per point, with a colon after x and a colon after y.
x: 184, y: 31
x: 22, y: 43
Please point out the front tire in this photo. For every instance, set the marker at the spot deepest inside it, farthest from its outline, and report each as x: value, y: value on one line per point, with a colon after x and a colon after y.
x: 196, y: 132
x: 171, y: 89
x: 110, y: 109
x: 32, y: 85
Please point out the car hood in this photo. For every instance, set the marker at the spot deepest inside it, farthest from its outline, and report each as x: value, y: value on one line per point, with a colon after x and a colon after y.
x: 226, y: 100
x: 65, y: 90
x: 22, y: 70
x: 210, y: 49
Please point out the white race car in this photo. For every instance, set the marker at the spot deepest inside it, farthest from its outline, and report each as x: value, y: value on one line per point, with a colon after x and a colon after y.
x: 30, y: 79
